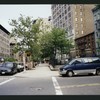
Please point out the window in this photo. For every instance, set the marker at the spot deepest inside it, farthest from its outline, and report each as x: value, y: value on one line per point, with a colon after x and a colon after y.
x: 75, y: 19
x: 9, y: 65
x: 65, y: 11
x: 65, y: 17
x: 62, y: 14
x: 81, y: 19
x: 75, y: 61
x: 69, y: 8
x: 87, y: 60
x: 81, y: 13
x: 75, y: 13
x: 82, y: 32
x: 77, y: 32
x: 80, y: 7
x: 69, y: 14
x: 96, y: 60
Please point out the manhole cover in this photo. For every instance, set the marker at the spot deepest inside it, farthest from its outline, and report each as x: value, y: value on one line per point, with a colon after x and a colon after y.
x: 38, y: 88
x: 34, y: 88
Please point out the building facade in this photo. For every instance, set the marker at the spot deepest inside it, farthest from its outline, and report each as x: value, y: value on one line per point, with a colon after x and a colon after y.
x: 4, y: 42
x: 96, y: 14
x: 76, y: 19
x: 46, y: 24
x: 86, y: 45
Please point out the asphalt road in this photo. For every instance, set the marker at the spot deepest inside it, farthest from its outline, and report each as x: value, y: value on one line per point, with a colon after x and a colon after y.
x: 43, y: 81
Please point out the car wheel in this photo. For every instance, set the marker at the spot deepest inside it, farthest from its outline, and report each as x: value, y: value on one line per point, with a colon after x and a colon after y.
x: 98, y: 72
x: 70, y: 73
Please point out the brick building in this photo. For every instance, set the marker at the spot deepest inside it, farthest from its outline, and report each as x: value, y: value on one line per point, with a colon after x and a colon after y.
x: 76, y: 19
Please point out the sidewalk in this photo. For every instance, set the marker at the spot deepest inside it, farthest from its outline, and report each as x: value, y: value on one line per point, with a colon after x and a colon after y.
x: 41, y: 70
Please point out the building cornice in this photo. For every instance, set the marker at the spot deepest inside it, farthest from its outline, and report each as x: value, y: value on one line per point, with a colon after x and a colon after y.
x: 5, y: 30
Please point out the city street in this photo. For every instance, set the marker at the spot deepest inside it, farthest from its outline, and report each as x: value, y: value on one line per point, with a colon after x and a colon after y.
x: 43, y: 81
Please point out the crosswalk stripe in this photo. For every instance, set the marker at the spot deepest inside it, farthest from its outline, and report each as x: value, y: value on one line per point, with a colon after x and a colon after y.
x: 57, y: 87
x: 6, y: 81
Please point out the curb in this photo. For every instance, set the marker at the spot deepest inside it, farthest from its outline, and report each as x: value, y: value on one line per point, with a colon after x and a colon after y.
x: 51, y: 68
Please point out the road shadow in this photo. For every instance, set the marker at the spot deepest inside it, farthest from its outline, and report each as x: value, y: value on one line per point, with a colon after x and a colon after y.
x: 89, y: 75
x: 7, y: 74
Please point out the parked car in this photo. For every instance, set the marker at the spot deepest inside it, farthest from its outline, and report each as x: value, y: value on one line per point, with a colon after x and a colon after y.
x: 8, y: 68
x: 20, y: 66
x: 81, y: 66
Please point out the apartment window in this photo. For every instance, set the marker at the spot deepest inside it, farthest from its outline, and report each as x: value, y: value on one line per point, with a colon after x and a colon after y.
x: 60, y: 21
x: 75, y: 19
x: 75, y: 13
x: 81, y: 13
x: 62, y: 14
x: 81, y: 19
x: 69, y: 14
x: 65, y: 17
x: 64, y: 5
x: 59, y: 16
x: 65, y: 11
x: 63, y: 24
x: 69, y: 8
x: 76, y: 32
x: 80, y: 6
x: 82, y: 32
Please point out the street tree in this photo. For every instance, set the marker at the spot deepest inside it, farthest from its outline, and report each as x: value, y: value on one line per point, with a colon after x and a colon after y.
x: 26, y: 30
x: 55, y: 41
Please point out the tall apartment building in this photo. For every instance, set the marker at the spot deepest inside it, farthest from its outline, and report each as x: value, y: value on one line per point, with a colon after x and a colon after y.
x: 96, y: 13
x: 76, y: 19
x: 4, y: 42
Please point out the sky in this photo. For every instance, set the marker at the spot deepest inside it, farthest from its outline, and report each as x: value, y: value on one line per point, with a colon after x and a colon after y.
x: 8, y: 12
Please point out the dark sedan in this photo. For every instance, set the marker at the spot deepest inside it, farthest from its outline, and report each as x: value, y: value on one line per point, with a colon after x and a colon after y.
x: 8, y: 68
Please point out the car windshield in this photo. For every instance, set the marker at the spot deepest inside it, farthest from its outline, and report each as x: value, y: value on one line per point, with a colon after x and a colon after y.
x: 75, y: 61
x: 9, y: 65
x: 71, y: 62
x: 86, y: 60
x: 1, y: 65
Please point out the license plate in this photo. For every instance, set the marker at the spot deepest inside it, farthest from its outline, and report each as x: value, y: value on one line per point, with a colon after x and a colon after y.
x: 3, y: 72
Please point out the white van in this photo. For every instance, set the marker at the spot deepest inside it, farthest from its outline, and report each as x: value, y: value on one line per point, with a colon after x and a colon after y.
x: 20, y: 66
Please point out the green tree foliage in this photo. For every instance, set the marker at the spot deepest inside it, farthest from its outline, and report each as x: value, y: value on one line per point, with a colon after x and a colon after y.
x: 10, y: 59
x: 54, y: 41
x: 26, y: 30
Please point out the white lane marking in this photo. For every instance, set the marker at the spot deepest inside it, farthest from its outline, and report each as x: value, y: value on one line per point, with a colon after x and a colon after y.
x: 57, y: 87
x: 6, y: 81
